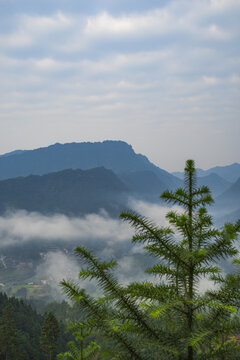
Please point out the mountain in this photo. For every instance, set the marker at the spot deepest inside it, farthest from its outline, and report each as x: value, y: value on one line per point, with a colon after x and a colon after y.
x: 145, y: 184
x: 115, y: 155
x: 230, y: 199
x: 229, y: 217
x: 15, y: 152
x: 71, y: 192
x: 230, y: 172
x: 216, y: 184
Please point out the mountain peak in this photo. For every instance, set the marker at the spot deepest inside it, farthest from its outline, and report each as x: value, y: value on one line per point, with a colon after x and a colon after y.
x: 116, y: 155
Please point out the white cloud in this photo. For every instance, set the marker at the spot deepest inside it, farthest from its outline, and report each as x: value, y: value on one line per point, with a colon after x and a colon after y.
x: 45, y: 24
x: 154, y: 212
x: 16, y: 40
x: 108, y: 238
x: 77, y: 32
x: 216, y: 32
x: 177, y: 18
x: 223, y: 5
x: 22, y: 226
x: 29, y: 29
x: 55, y: 267
x: 118, y: 61
x: 52, y: 65
x: 46, y: 64
x: 208, y: 80
x: 235, y: 79
x: 104, y: 24
x: 128, y: 85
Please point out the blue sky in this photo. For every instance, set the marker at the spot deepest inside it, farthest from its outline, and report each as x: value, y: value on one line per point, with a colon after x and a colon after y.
x: 162, y: 75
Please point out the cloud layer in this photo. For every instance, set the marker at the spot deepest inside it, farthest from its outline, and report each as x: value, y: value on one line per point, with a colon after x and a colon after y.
x: 22, y: 227
x: 53, y: 239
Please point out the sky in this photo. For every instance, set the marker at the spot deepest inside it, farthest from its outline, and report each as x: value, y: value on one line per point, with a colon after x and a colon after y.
x: 163, y: 76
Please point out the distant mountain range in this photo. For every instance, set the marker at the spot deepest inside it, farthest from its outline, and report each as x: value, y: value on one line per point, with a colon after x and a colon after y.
x: 80, y: 178
x: 216, y: 184
x: 230, y: 199
x: 144, y: 184
x: 72, y: 192
x: 226, y: 207
x: 229, y: 173
x: 115, y: 155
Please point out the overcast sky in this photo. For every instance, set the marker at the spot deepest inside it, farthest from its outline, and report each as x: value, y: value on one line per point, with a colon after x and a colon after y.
x: 161, y: 75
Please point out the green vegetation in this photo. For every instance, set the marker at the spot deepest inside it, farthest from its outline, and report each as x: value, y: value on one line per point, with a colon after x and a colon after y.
x: 77, y: 349
x: 8, y: 342
x: 49, y: 336
x: 169, y: 318
x: 12, y: 274
x: 27, y: 291
x: 24, y: 325
x: 20, y: 330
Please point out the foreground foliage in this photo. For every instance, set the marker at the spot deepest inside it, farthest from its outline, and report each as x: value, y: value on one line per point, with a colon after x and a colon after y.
x: 169, y: 318
x: 78, y: 349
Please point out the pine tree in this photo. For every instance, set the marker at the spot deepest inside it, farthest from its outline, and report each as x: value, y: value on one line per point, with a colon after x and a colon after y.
x: 8, y: 334
x: 170, y: 319
x: 79, y: 350
x: 49, y: 336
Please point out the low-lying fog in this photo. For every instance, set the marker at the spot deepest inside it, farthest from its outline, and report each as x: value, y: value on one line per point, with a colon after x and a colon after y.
x: 48, y: 242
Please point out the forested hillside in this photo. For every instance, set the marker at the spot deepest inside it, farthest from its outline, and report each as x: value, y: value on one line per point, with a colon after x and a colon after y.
x: 71, y: 192
x: 20, y: 331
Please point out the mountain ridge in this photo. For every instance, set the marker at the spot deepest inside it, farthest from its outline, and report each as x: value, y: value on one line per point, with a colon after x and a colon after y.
x: 71, y: 192
x: 115, y: 155
x: 229, y: 172
x: 230, y: 199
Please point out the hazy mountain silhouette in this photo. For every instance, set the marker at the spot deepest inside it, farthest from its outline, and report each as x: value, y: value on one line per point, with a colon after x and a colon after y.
x: 229, y: 172
x: 229, y: 217
x: 72, y: 192
x: 15, y: 152
x: 230, y: 199
x: 216, y: 184
x: 115, y: 155
x: 145, y: 184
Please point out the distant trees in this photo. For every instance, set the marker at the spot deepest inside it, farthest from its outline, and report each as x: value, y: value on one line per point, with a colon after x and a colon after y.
x: 169, y: 318
x: 26, y: 329
x: 49, y: 336
x: 8, y: 338
x: 21, y: 326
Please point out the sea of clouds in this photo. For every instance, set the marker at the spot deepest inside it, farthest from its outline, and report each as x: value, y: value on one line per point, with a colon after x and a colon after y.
x: 109, y: 238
